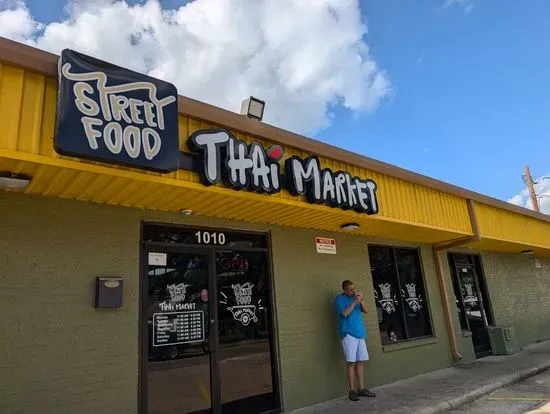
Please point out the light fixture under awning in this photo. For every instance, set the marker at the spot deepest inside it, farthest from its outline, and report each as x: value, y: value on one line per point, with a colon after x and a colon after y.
x: 14, y: 181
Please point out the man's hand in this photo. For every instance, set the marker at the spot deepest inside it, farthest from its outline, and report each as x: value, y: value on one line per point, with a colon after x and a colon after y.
x: 351, y: 307
x: 360, y: 300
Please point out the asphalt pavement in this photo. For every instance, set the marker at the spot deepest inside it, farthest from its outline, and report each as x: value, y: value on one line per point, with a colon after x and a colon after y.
x: 518, y: 398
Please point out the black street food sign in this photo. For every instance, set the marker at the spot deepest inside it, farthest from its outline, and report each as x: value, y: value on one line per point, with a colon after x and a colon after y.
x: 224, y: 158
x: 111, y: 114
x: 114, y: 115
x: 175, y: 328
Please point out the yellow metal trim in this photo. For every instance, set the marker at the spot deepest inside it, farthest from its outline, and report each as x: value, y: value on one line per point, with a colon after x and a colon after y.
x: 62, y: 162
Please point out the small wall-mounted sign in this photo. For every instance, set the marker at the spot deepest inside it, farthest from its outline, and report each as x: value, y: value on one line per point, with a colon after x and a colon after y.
x: 112, y: 114
x: 157, y: 259
x: 108, y: 292
x: 325, y: 245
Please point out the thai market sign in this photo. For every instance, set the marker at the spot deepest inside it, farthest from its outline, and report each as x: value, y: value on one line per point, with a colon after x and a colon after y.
x: 114, y: 115
x: 222, y: 158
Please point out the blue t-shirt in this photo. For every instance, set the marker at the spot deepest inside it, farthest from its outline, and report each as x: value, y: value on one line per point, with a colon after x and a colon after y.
x: 353, y: 323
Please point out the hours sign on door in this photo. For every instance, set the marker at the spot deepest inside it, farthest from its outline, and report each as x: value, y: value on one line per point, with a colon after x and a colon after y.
x: 325, y: 246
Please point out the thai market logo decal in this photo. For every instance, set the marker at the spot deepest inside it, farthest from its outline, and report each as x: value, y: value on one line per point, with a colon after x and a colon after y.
x: 413, y: 299
x: 388, y: 302
x: 222, y: 158
x: 108, y: 113
x: 244, y: 311
x: 177, y: 292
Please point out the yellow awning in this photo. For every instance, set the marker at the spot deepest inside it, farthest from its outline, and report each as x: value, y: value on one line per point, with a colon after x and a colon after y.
x: 412, y: 207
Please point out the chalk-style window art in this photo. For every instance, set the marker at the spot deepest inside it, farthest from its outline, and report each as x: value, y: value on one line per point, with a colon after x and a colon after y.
x: 244, y: 311
x: 399, y: 294
x: 243, y: 295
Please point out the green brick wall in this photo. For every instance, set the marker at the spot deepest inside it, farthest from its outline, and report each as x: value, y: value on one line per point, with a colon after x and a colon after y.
x: 312, y: 360
x: 519, y: 294
x: 61, y: 355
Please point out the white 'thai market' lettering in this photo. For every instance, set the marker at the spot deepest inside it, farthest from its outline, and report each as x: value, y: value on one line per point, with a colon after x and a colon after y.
x: 101, y: 120
x: 231, y: 159
x: 339, y: 189
x: 250, y: 166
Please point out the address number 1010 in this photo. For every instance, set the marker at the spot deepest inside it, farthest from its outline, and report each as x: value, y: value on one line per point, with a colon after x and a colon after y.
x: 206, y: 237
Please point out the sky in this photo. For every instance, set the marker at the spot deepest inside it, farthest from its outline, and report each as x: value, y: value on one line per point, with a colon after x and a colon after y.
x: 458, y: 90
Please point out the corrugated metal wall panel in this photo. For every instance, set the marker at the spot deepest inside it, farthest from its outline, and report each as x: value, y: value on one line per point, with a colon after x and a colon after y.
x: 27, y: 116
x: 398, y: 199
x: 505, y: 225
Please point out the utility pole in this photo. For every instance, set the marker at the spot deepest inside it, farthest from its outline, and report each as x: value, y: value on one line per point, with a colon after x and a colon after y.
x: 531, y: 188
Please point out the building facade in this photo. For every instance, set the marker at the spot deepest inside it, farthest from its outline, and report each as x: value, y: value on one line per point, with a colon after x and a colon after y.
x: 160, y: 255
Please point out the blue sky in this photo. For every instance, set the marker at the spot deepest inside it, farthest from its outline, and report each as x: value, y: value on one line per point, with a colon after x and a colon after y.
x: 472, y: 99
x: 470, y: 83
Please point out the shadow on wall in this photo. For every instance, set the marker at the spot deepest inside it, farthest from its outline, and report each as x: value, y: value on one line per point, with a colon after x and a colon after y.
x: 334, y: 364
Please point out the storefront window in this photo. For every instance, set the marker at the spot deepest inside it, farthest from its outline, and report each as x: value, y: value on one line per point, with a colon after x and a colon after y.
x: 399, y: 293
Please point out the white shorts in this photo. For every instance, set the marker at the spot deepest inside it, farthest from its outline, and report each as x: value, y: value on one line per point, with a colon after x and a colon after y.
x: 355, y: 350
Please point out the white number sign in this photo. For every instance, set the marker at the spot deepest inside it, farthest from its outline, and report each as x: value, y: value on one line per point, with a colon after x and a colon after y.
x: 206, y: 237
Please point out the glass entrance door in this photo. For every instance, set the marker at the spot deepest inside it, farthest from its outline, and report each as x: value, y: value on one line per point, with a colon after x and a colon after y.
x: 178, y: 370
x: 208, y: 340
x: 246, y: 378
x: 471, y: 304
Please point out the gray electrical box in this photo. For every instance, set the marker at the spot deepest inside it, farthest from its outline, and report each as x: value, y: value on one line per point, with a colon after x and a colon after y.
x: 503, y: 340
x: 108, y: 292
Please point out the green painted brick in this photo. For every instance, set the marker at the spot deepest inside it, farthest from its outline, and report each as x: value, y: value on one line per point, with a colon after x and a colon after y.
x: 60, y: 355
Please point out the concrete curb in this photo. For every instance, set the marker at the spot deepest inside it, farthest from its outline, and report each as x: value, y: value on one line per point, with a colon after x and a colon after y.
x: 503, y: 381
x: 487, y: 389
x: 543, y: 409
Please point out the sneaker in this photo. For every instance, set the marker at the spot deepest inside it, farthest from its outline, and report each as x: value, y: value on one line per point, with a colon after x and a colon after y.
x: 363, y: 392
x: 353, y: 395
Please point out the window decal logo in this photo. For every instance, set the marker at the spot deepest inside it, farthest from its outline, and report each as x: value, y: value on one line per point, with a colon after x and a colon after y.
x: 387, y: 302
x: 414, y: 301
x: 243, y: 312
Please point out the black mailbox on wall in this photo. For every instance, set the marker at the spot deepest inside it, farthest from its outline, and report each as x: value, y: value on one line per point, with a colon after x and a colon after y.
x: 108, y: 292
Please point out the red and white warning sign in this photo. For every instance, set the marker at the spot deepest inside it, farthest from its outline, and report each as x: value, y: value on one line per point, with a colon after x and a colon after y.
x: 325, y: 246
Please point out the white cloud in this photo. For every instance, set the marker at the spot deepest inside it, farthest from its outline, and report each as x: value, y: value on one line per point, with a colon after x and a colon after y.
x: 16, y: 22
x: 467, y: 5
x: 302, y: 57
x: 542, y: 189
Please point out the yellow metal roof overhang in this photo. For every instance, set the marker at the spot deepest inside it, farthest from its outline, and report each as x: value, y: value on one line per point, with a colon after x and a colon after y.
x: 78, y: 180
x: 413, y: 208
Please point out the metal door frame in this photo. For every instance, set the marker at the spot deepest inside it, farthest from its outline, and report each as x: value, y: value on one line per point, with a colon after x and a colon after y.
x: 210, y: 252
x: 455, y: 273
x: 211, y: 324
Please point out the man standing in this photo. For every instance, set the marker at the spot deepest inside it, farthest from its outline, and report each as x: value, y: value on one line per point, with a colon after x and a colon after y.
x: 349, y: 306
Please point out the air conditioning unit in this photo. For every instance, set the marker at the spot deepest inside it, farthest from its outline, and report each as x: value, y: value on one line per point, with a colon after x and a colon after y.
x: 503, y: 340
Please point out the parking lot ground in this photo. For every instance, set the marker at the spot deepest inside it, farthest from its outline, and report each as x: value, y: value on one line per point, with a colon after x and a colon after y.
x: 518, y: 398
